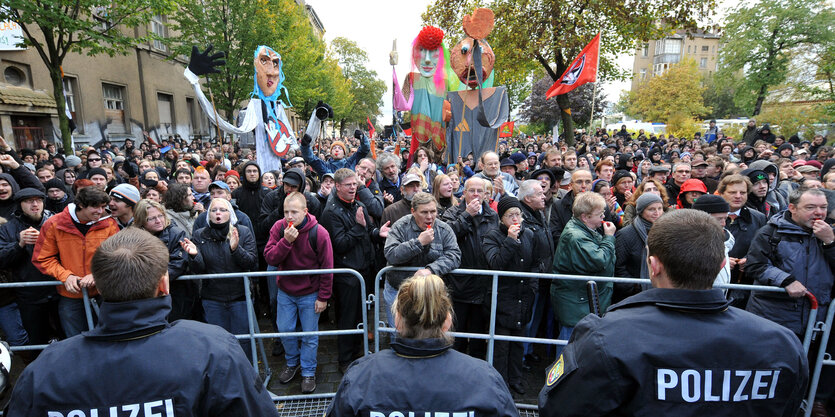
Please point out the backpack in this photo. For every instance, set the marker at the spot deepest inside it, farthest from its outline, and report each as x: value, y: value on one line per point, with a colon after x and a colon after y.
x: 312, y: 237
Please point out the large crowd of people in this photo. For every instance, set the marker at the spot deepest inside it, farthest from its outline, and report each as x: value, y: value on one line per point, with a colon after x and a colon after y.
x: 532, y: 205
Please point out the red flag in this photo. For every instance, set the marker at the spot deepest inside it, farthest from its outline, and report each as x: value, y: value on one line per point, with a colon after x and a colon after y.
x: 582, y: 70
x: 506, y: 130
x: 370, y: 127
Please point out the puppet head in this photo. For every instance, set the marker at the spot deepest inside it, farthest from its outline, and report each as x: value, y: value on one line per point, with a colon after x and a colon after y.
x: 268, y: 74
x: 428, y: 55
x: 477, y: 26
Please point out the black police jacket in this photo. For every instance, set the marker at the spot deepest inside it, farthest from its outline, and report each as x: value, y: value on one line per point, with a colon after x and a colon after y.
x: 673, y: 352
x: 136, y: 363
x: 396, y: 381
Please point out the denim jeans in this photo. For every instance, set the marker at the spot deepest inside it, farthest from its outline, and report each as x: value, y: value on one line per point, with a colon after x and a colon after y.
x: 389, y: 294
x: 565, y: 334
x: 73, y: 318
x: 232, y: 316
x: 291, y: 310
x: 12, y: 325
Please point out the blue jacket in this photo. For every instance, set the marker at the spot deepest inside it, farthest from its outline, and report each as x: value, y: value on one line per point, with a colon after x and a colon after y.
x: 783, y: 249
x: 323, y: 167
x: 135, y: 360
x: 397, y: 380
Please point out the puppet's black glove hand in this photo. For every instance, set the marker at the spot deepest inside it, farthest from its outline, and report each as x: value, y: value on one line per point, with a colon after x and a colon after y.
x: 306, y: 139
x: 323, y: 111
x: 203, y: 63
x: 358, y: 134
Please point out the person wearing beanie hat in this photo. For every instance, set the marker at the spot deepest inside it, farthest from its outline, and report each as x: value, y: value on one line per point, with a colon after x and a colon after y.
x: 339, y: 152
x: 718, y: 208
x: 785, y: 150
x: 98, y: 176
x: 57, y: 196
x: 645, y: 200
x: 72, y: 161
x: 690, y: 191
x: 510, y: 247
x: 630, y: 245
x: 623, y: 184
x: 123, y: 199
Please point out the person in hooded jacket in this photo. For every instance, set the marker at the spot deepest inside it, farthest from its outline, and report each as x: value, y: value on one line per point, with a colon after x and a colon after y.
x: 300, y: 298
x: 510, y: 247
x: 272, y: 204
x: 221, y: 247
x: 15, y: 178
x: 57, y: 196
x: 38, y: 305
x: 690, y: 191
x: 765, y: 134
x: 150, y: 216
x: 249, y: 197
x: 775, y: 197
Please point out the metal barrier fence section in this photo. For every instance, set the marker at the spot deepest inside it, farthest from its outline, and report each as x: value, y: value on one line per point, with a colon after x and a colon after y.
x: 316, y: 404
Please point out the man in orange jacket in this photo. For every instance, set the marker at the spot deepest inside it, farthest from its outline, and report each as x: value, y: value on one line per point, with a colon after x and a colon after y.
x: 65, y: 248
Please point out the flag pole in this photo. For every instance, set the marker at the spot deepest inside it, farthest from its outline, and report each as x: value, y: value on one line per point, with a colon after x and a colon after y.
x: 594, y: 92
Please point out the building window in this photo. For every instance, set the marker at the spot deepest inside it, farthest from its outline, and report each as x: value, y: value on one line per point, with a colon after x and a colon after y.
x: 643, y: 74
x: 14, y: 76
x: 645, y: 50
x: 70, y: 87
x: 688, y: 49
x: 705, y: 48
x: 672, y: 46
x: 703, y: 63
x: 160, y: 30
x: 114, y: 107
x: 166, y: 111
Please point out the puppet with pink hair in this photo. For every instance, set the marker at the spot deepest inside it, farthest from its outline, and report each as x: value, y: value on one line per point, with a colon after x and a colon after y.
x: 426, y: 87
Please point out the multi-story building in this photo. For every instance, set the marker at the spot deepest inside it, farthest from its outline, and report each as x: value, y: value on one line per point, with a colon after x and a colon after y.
x: 654, y: 57
x: 109, y: 97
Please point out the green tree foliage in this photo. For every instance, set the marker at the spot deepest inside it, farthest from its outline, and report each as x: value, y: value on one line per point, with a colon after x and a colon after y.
x: 55, y: 28
x: 547, y: 112
x: 549, y: 34
x: 719, y: 97
x: 238, y: 27
x: 366, y: 87
x: 677, y: 91
x: 760, y: 38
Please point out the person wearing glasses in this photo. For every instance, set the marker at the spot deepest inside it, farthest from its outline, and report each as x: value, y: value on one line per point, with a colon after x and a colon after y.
x: 582, y: 250
x: 510, y: 247
x: 150, y: 216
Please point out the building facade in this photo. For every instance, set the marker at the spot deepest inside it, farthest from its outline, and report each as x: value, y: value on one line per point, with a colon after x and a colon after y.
x: 654, y: 57
x: 141, y: 94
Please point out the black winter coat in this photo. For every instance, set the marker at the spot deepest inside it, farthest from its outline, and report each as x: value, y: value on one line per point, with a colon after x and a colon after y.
x: 248, y: 198
x: 272, y: 207
x: 543, y: 245
x: 215, y: 257
x: 515, y: 296
x: 18, y: 260
x: 372, y: 197
x: 470, y: 232
x: 744, y: 228
x: 629, y: 248
x: 352, y: 245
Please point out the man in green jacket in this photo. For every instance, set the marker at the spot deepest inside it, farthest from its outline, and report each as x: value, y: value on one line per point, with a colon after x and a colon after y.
x: 582, y: 250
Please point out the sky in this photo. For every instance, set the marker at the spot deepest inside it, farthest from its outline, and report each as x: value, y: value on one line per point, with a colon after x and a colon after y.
x: 374, y: 24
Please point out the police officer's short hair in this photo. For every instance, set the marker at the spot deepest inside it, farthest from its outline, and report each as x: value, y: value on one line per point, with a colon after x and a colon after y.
x: 128, y: 265
x: 691, y: 246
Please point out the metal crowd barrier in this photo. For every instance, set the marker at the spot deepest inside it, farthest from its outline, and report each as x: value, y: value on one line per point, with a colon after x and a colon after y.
x: 821, y: 359
x: 255, y: 336
x: 492, y: 337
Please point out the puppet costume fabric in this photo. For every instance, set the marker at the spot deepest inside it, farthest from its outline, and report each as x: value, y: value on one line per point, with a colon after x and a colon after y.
x: 465, y: 134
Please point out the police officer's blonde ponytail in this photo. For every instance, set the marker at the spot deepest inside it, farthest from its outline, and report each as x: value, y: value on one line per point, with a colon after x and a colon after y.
x: 423, y: 307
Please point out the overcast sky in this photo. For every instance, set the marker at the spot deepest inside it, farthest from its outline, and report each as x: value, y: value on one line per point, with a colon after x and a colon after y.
x: 374, y: 24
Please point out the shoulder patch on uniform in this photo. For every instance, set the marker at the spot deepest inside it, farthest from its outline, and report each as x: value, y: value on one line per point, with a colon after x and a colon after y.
x: 556, y: 372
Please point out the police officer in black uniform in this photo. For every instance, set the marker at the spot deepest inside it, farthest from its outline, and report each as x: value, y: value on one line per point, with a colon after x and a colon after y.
x: 421, y: 376
x: 678, y: 349
x: 135, y: 363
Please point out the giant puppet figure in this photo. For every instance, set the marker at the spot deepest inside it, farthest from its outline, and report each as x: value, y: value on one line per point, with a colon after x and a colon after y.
x: 478, y: 111
x: 426, y: 87
x: 264, y: 115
